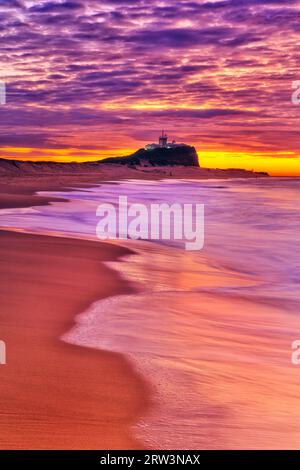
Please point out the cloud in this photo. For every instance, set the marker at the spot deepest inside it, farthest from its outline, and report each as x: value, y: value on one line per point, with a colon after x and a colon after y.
x: 97, y: 73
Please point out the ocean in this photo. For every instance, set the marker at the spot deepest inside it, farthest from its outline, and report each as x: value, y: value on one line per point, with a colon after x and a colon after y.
x: 210, y: 330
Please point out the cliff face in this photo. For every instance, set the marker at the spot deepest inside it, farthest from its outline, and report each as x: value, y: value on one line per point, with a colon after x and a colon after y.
x: 181, y: 155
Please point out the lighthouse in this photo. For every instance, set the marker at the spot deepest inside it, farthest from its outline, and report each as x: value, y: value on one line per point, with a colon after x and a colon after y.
x: 163, y: 139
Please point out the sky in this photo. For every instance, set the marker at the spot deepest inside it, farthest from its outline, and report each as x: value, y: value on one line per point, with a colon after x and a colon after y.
x: 87, y: 79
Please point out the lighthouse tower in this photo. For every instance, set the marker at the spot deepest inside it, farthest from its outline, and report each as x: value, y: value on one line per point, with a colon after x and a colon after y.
x: 163, y: 139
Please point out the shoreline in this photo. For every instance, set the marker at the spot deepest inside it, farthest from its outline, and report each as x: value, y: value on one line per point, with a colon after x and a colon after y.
x: 51, y: 395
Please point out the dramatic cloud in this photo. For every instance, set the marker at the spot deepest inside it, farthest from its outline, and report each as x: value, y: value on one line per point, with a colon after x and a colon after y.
x: 109, y: 75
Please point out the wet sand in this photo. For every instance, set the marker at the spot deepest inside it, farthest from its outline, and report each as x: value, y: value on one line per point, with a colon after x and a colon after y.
x: 55, y: 395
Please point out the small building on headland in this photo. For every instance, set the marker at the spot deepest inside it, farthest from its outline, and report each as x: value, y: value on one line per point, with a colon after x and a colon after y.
x: 163, y: 143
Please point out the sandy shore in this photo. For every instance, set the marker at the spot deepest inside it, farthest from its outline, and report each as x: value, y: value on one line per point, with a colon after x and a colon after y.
x: 55, y: 395
x: 18, y: 186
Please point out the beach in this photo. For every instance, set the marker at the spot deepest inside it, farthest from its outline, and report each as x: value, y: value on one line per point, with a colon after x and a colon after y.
x: 55, y: 395
x: 149, y: 230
